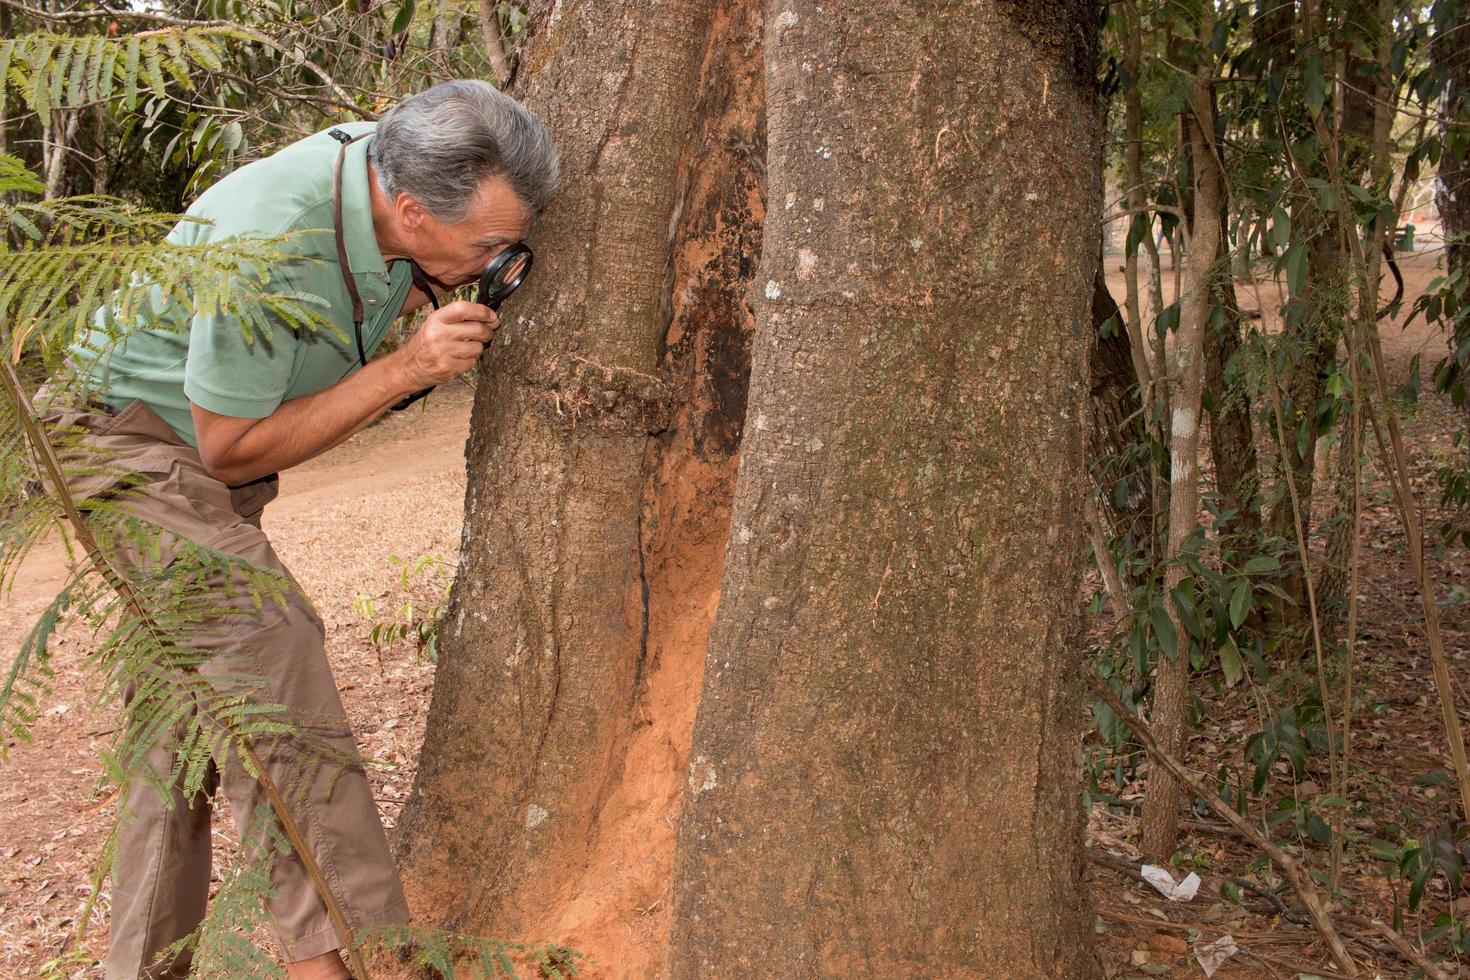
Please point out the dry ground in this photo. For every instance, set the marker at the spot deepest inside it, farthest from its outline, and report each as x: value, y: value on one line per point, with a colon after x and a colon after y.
x: 397, y: 488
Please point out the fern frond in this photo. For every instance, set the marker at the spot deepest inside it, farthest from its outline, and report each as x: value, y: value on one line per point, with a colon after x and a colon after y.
x: 15, y: 176
x: 50, y: 290
x: 435, y: 949
x: 222, y: 945
x: 23, y: 687
x: 61, y: 71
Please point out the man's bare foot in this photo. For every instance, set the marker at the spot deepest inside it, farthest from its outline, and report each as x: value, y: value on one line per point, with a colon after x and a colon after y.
x: 328, y: 966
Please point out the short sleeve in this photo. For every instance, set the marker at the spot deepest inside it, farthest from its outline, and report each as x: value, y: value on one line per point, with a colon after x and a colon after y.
x: 231, y: 373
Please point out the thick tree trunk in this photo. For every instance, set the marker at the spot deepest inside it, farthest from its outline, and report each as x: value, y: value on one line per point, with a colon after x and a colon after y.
x: 601, y: 466
x: 884, y: 777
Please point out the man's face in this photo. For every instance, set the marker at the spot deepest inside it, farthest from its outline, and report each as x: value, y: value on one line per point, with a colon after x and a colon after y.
x: 454, y: 254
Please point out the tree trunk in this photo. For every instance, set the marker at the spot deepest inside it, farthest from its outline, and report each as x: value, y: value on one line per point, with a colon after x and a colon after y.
x: 601, y: 466
x: 1159, y: 826
x: 1137, y: 201
x: 1232, y: 437
x: 884, y: 778
x: 1118, y: 425
x: 1368, y: 118
x: 494, y: 41
x: 1451, y: 53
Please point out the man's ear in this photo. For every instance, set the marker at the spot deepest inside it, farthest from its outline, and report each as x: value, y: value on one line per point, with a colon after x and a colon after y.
x: 411, y: 214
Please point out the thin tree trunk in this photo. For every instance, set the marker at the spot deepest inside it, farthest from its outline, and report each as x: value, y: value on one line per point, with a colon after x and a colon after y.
x: 1451, y: 53
x: 55, y: 140
x: 1232, y: 438
x: 494, y: 41
x: 1341, y: 521
x: 1136, y: 201
x: 898, y: 612
x: 1118, y: 424
x: 1159, y: 830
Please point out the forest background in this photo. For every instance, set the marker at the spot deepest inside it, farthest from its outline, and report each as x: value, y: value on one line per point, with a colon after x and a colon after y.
x: 1277, y: 501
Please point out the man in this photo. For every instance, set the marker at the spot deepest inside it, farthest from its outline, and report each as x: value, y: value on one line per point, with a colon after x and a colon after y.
x: 207, y: 416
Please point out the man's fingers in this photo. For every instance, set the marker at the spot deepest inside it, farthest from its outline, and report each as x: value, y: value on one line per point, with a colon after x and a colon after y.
x: 465, y: 310
x: 469, y: 350
x: 463, y: 330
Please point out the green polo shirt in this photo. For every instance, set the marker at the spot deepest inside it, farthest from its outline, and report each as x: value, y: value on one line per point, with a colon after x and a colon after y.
x: 182, y: 355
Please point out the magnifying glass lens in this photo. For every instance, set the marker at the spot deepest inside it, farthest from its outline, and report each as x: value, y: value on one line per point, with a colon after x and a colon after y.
x: 505, y: 272
x: 509, y: 273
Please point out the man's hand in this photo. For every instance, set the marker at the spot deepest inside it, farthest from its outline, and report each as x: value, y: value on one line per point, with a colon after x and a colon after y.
x: 448, y: 344
x: 237, y: 450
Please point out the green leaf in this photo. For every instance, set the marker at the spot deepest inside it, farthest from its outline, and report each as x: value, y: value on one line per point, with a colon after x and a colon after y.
x: 1318, y: 830
x: 1164, y: 631
x: 16, y: 176
x: 1240, y: 603
x: 130, y: 70
x: 1230, y: 663
x: 1296, y: 268
x: 403, y: 18
x: 1136, y: 230
x: 1315, y: 90
x: 1384, y: 850
x: 1416, y: 891
x: 1261, y: 565
x: 1279, y: 236
x: 1326, y: 193
x: 1184, y: 603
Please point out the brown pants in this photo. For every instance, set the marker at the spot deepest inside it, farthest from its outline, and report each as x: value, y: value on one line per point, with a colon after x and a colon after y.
x: 162, y: 871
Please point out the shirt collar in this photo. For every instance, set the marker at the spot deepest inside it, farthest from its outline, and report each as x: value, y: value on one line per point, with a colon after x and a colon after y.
x: 357, y: 213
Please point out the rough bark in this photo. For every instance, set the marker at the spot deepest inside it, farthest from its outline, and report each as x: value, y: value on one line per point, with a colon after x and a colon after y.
x: 1159, y: 826
x: 884, y: 775
x: 601, y: 465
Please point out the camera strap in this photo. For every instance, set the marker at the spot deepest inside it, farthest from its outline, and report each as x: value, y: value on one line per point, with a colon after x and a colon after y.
x: 420, y: 280
x: 352, y: 293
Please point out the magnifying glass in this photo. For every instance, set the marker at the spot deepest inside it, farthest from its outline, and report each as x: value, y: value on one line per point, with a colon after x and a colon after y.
x: 505, y: 272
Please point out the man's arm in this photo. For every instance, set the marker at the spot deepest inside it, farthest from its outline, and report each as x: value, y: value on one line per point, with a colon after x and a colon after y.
x: 238, y: 450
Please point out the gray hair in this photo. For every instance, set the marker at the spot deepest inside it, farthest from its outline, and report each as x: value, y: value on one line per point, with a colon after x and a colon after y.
x: 440, y: 144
